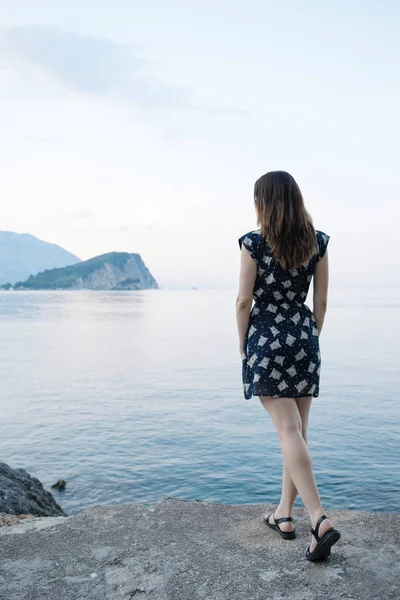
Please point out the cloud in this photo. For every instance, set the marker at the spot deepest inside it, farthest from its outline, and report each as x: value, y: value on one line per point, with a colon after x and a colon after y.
x: 81, y: 215
x: 86, y: 64
x: 129, y: 228
x: 91, y: 216
x: 99, y: 66
x: 40, y: 139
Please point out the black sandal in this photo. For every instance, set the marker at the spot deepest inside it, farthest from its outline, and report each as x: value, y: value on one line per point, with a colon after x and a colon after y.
x: 323, y: 547
x: 287, y: 535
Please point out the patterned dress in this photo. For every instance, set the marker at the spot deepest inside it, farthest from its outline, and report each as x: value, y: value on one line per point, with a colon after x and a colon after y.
x: 282, y: 354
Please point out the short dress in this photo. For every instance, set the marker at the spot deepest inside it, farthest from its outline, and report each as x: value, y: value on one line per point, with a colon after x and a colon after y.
x: 282, y: 356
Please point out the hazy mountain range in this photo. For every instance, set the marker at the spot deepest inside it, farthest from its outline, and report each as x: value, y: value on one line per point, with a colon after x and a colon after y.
x: 22, y: 254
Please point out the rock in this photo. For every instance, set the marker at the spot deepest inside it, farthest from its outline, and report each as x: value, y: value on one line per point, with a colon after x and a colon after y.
x: 59, y: 485
x: 193, y: 550
x: 7, y: 520
x: 22, y: 494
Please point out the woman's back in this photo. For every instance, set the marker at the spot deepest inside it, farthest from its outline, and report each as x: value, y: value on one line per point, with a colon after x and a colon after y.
x: 282, y: 288
x: 282, y: 355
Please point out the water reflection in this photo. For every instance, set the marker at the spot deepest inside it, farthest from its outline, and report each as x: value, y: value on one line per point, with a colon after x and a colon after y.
x: 133, y: 395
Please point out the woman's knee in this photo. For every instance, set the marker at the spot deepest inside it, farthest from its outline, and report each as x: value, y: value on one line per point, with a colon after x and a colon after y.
x: 285, y: 414
x: 290, y: 427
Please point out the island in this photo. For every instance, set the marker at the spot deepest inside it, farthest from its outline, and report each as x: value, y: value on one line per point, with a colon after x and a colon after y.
x: 112, y: 271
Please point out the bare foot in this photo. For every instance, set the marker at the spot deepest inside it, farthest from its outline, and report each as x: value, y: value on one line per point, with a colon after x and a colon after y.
x: 324, y: 527
x: 286, y: 526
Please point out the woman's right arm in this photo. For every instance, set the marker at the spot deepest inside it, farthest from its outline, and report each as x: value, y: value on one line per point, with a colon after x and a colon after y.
x: 320, y: 295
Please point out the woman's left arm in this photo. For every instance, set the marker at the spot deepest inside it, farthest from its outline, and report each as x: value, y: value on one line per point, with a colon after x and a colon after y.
x: 248, y: 273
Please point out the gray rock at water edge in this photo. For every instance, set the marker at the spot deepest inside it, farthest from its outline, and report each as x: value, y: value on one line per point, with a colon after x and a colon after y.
x: 193, y: 550
x: 20, y: 493
x: 6, y: 520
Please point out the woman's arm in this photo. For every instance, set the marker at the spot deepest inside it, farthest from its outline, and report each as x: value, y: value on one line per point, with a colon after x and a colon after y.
x: 320, y: 295
x: 248, y: 273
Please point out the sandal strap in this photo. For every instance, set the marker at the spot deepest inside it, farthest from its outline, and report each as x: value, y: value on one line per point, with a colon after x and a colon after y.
x: 315, y: 531
x: 283, y: 519
x: 277, y: 521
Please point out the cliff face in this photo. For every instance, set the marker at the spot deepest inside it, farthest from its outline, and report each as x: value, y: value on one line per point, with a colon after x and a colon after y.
x: 131, y: 274
x: 113, y: 271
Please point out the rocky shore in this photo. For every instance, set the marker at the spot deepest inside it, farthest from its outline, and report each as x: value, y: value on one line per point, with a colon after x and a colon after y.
x: 22, y: 494
x: 191, y: 550
x: 183, y: 550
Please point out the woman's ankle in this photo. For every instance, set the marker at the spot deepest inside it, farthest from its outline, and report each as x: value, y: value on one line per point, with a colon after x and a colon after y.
x: 314, y: 517
x: 284, y: 511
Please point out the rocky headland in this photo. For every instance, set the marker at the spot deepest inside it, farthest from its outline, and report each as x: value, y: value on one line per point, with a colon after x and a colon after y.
x: 112, y: 271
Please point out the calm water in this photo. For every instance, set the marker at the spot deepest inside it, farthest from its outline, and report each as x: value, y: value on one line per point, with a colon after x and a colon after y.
x: 130, y: 396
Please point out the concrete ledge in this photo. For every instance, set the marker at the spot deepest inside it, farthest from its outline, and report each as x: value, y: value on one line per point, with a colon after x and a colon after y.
x: 191, y: 550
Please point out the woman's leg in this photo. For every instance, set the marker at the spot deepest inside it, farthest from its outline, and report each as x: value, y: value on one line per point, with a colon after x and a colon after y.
x: 289, y: 490
x: 286, y: 417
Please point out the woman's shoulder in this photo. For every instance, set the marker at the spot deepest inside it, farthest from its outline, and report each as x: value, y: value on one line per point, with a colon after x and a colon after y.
x: 251, y: 240
x: 254, y: 234
x: 322, y: 239
x: 322, y: 234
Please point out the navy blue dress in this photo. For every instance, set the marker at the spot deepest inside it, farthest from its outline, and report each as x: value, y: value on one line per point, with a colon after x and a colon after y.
x: 282, y: 354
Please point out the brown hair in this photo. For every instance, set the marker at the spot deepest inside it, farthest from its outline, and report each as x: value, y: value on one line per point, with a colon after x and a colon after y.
x: 284, y: 221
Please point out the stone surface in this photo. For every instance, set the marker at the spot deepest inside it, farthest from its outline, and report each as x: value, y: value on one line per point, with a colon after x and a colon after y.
x: 6, y: 520
x: 20, y: 493
x: 191, y: 550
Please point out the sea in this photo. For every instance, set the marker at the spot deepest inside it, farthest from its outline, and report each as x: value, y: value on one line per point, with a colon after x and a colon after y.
x: 135, y: 396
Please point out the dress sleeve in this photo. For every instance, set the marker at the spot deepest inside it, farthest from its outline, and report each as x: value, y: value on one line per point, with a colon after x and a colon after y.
x: 250, y: 242
x: 323, y: 239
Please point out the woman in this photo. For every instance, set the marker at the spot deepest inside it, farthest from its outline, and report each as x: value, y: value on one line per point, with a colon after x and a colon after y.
x: 279, y: 339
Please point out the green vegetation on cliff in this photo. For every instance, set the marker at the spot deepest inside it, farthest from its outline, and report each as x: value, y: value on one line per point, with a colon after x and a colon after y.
x: 112, y: 271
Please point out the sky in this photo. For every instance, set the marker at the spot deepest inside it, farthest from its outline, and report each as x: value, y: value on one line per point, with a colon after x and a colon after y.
x: 142, y: 127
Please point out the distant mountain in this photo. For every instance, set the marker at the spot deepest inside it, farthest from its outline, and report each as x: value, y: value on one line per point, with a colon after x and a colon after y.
x: 113, y: 271
x: 22, y: 255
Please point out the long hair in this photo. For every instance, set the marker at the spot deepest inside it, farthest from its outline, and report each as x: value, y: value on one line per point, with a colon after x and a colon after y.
x: 284, y: 221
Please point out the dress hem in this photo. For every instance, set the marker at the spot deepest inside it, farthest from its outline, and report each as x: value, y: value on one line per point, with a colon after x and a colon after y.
x: 282, y: 396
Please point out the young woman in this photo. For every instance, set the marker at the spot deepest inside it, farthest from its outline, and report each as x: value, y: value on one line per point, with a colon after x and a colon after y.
x: 279, y: 339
